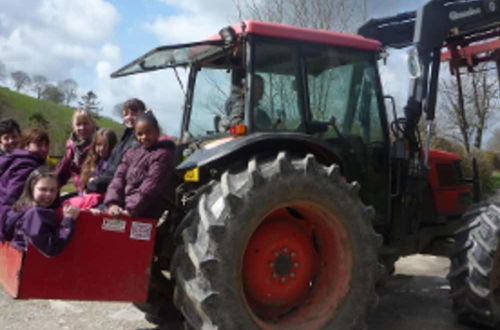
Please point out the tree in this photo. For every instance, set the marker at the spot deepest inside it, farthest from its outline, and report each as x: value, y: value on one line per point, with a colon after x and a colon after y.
x: 118, y: 109
x: 39, y: 83
x: 480, y: 102
x: 339, y: 15
x: 21, y: 79
x: 53, y: 94
x: 68, y: 87
x: 89, y: 102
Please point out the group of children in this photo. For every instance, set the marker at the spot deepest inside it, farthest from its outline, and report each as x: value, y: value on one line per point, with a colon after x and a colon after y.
x: 121, y: 178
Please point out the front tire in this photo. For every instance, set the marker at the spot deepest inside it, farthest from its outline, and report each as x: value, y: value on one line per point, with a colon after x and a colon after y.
x: 475, y: 267
x: 283, y: 244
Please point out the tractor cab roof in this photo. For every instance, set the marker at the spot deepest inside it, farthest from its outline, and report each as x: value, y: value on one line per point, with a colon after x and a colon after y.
x: 187, y: 54
x: 326, y: 37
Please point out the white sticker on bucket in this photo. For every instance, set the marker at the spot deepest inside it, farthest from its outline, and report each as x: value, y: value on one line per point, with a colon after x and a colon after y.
x: 116, y: 225
x: 141, y: 231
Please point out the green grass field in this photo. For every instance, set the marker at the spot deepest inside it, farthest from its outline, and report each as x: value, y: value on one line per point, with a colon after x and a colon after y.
x: 58, y: 117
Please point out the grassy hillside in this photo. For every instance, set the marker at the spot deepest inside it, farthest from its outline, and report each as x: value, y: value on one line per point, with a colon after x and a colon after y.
x: 55, y: 118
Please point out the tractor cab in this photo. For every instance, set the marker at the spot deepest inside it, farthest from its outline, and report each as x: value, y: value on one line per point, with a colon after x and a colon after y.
x: 264, y: 77
x: 266, y: 87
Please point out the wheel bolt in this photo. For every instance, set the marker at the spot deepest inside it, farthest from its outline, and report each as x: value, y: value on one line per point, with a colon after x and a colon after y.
x: 276, y: 254
x: 292, y: 275
x: 296, y: 265
x: 285, y: 250
x: 293, y: 254
x: 275, y: 275
x: 271, y: 264
x: 283, y: 279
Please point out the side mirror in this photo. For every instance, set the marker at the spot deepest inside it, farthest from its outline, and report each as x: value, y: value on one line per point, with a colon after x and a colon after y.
x: 414, y: 65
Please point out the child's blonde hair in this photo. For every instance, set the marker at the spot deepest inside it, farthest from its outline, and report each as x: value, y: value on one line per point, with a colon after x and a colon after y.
x: 83, y: 114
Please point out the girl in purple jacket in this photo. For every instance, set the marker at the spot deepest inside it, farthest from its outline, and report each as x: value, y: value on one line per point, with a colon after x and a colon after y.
x: 33, y: 218
x: 17, y: 165
x: 143, y: 175
x: 77, y: 148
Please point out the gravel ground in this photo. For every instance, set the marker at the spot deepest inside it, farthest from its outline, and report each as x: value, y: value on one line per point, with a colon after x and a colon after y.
x: 416, y: 298
x: 68, y: 315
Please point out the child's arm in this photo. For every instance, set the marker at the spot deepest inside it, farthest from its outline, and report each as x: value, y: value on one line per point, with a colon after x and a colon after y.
x: 63, y: 170
x: 115, y: 195
x: 16, y: 183
x: 41, y: 229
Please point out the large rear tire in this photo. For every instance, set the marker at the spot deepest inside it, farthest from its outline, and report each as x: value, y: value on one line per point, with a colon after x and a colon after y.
x: 475, y: 267
x: 283, y: 244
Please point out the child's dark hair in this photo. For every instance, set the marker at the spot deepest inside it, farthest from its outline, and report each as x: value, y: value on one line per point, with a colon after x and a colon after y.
x: 135, y: 105
x: 148, y: 117
x: 9, y: 126
x: 92, y: 158
x: 27, y: 199
x: 35, y: 135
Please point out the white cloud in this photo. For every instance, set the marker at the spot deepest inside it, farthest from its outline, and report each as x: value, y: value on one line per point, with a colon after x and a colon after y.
x: 53, y: 37
x: 88, y: 21
x: 196, y: 20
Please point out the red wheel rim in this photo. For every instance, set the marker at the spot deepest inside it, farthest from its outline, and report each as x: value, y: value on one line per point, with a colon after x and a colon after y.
x: 297, y: 267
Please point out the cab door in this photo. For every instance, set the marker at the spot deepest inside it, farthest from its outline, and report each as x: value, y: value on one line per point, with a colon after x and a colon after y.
x: 345, y: 100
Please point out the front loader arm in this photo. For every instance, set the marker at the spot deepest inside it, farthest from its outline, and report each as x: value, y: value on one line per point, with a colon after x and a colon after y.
x: 429, y: 29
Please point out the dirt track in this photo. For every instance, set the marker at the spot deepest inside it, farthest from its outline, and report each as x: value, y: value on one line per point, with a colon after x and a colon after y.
x: 416, y: 298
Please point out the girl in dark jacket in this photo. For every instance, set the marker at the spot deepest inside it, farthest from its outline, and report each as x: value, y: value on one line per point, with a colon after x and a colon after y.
x: 143, y: 174
x: 130, y: 110
x: 33, y: 218
x: 17, y: 166
x: 77, y: 148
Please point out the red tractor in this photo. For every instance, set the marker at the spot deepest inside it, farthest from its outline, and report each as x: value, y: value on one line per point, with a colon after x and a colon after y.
x: 295, y: 191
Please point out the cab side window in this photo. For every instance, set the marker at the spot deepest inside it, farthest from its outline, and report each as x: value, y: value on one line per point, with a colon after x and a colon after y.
x: 342, y: 94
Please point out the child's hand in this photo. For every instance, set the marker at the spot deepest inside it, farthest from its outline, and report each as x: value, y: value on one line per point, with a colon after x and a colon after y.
x: 126, y: 213
x: 115, y: 210
x: 95, y: 211
x: 71, y: 211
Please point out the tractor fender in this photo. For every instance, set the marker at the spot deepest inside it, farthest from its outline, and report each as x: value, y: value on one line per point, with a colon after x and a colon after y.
x: 230, y: 150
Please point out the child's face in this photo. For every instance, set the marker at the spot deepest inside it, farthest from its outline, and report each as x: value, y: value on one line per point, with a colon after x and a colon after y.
x: 45, y: 192
x: 39, y: 148
x: 129, y: 117
x: 82, y: 128
x: 102, y: 147
x: 8, y: 141
x: 146, y: 133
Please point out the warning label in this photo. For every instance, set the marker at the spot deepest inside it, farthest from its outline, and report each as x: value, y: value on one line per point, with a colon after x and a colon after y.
x: 116, y: 225
x: 141, y: 231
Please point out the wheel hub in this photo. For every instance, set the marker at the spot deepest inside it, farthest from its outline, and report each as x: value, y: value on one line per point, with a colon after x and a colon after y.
x: 283, y: 265
x: 280, y: 262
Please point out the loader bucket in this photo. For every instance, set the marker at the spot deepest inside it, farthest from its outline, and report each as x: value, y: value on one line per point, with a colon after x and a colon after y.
x: 107, y: 259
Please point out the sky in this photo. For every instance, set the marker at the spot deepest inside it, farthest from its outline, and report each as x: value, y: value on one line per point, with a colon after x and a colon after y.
x: 87, y: 40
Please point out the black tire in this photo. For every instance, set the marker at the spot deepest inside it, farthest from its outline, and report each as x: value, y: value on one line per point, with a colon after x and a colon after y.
x: 475, y: 267
x: 211, y: 263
